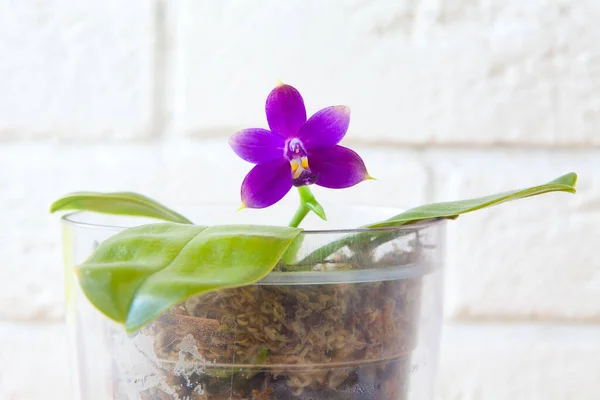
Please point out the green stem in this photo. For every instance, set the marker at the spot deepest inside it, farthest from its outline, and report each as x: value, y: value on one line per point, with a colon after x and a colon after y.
x: 301, y: 212
x: 307, y: 203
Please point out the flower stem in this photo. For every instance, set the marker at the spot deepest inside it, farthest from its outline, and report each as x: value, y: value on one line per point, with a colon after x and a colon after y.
x: 307, y: 203
x: 301, y: 212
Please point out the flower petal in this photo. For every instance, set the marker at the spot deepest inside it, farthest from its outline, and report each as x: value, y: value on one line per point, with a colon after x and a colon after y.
x: 325, y: 128
x: 257, y: 145
x: 266, y: 184
x: 285, y: 111
x: 338, y: 167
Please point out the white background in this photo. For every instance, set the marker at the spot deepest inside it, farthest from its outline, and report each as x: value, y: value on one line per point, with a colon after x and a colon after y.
x: 450, y: 99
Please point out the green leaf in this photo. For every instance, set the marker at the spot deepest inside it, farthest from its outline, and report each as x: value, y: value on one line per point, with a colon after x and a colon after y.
x: 289, y: 257
x: 139, y: 273
x: 123, y: 203
x: 453, y: 209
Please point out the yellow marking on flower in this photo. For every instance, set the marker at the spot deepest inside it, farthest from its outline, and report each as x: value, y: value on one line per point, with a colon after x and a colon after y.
x: 279, y: 83
x: 299, y: 165
x: 305, y: 162
x: 296, y: 168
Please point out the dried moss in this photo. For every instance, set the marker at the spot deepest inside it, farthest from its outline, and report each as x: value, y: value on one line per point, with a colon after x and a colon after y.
x: 316, y: 336
x: 327, y: 341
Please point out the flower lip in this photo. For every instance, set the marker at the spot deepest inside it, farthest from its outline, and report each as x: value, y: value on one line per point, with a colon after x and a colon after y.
x: 305, y: 178
x: 297, y: 155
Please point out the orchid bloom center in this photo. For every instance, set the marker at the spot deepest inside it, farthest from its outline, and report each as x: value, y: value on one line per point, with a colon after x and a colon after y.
x: 298, y: 158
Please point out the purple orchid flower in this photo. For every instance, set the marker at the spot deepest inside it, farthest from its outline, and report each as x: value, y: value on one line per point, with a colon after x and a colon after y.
x: 296, y: 151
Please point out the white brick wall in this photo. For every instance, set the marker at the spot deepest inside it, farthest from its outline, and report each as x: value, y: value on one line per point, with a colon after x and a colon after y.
x: 419, y: 72
x: 77, y: 70
x: 449, y: 98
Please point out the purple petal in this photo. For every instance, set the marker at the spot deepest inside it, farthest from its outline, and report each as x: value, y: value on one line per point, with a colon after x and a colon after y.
x: 285, y: 111
x: 257, y: 145
x: 337, y: 167
x: 266, y: 184
x: 326, y: 128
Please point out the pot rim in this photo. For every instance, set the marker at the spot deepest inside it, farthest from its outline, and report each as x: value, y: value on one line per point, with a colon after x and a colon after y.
x: 71, y: 219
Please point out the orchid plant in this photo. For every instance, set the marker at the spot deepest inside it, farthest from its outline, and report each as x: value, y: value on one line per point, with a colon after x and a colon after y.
x: 141, y: 272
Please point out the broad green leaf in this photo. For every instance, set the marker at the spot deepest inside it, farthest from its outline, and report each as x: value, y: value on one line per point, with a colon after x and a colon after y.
x: 139, y: 273
x: 123, y: 203
x: 453, y: 209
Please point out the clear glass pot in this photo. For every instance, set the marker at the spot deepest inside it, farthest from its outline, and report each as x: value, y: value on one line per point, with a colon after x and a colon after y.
x: 363, y: 323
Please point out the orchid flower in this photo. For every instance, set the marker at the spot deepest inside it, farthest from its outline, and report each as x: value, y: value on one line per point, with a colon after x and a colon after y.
x: 296, y: 151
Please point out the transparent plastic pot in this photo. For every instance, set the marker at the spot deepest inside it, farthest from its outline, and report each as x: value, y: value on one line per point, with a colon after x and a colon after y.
x: 363, y: 323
